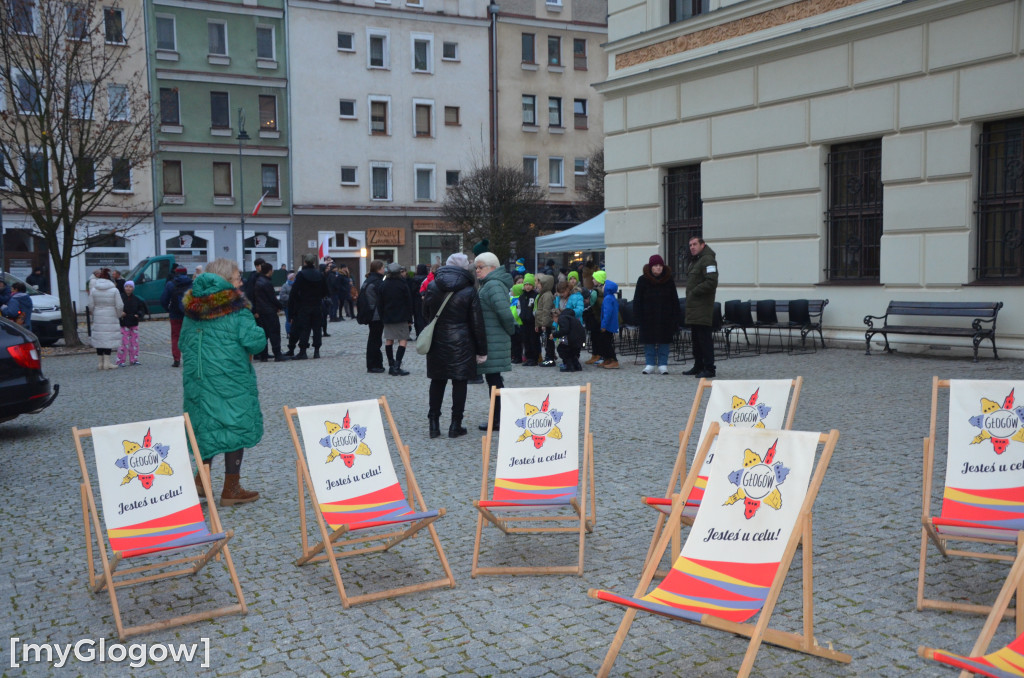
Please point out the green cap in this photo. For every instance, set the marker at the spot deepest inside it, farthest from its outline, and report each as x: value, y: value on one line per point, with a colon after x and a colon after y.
x: 600, y: 277
x: 517, y: 290
x: 529, y: 279
x: 574, y: 274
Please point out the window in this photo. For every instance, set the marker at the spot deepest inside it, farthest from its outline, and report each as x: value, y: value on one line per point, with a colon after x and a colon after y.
x: 37, y: 174
x: 450, y: 51
x: 85, y: 173
x: 684, y: 216
x: 220, y: 116
x: 451, y: 178
x: 579, y: 171
x: 529, y: 109
x: 78, y: 22
x: 117, y: 102
x: 854, y: 214
x: 5, y: 173
x: 268, y: 112
x: 23, y: 16
x: 530, y: 169
x: 554, y: 4
x: 379, y: 116
x: 554, y: 111
x: 579, y: 112
x: 271, y: 181
x: 380, y: 181
x: 1000, y: 204
x: 347, y: 108
x: 265, y: 42
x: 422, y: 54
x: 166, y: 37
x: 348, y: 176
x: 26, y: 94
x: 377, y: 55
x: 113, y: 25
x: 579, y: 54
x: 423, y: 114
x: 346, y: 42
x: 556, y: 175
x: 424, y: 182
x: 121, y: 175
x: 554, y: 50
x: 169, y: 109
x: 680, y: 10
x: 82, y: 99
x: 451, y: 115
x: 529, y: 52
x: 172, y: 178
x: 217, y: 33
x: 222, y: 179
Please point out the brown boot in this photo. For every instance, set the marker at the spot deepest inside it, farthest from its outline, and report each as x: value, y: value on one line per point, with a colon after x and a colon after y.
x: 233, y: 492
x: 593, y: 359
x: 611, y: 365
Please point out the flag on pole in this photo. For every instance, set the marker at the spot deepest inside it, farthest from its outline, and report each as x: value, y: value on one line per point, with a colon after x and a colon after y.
x: 259, y: 204
x: 322, y: 252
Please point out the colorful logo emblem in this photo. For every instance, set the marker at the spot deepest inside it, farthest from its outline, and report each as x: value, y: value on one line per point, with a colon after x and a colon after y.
x: 758, y: 482
x: 144, y: 461
x: 345, y: 441
x: 540, y: 423
x: 1000, y: 424
x: 746, y: 413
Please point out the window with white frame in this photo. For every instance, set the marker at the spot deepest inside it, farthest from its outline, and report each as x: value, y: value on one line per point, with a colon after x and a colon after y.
x: 554, y: 50
x: 265, y: 42
x: 554, y: 111
x: 347, y: 108
x: 529, y: 48
x: 449, y: 51
x: 579, y: 54
x: 23, y: 16
x: 166, y: 33
x: 380, y: 119
x: 36, y: 168
x: 377, y: 53
x: 6, y: 174
x: 423, y: 118
x: 26, y: 92
x: 414, y: 3
x: 346, y: 42
x: 172, y: 178
x: 530, y: 169
x: 451, y: 115
x: 220, y: 110
x: 113, y: 25
x: 271, y: 181
x: 121, y: 175
x: 222, y: 180
x: 85, y: 173
x: 555, y: 172
x: 82, y: 100
x: 579, y: 111
x: 579, y: 170
x: 268, y: 112
x: 217, y: 36
x: 348, y: 175
x: 422, y: 53
x: 529, y: 109
x: 77, y: 22
x: 380, y: 181
x: 117, y: 102
x: 451, y: 178
x: 424, y: 182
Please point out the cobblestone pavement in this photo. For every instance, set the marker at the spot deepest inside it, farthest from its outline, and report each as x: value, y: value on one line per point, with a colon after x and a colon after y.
x: 866, y: 530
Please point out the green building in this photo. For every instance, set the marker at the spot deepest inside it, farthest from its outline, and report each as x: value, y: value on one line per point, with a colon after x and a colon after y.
x: 218, y: 77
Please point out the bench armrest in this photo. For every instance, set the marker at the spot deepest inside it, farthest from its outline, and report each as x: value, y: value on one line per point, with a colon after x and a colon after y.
x: 976, y: 324
x: 868, y: 319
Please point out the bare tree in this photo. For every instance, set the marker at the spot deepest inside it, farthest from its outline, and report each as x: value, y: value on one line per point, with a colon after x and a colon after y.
x: 592, y: 190
x: 500, y: 203
x: 76, y: 119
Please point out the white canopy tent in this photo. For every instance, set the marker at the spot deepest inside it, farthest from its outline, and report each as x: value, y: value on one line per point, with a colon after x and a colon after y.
x: 585, y: 237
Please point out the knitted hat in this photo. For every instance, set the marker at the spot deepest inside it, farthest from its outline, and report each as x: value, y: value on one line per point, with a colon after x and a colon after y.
x: 394, y: 267
x: 517, y: 290
x: 180, y: 269
x: 520, y: 262
x: 600, y: 277
x: 458, y: 259
x: 574, y: 274
x: 529, y: 279
x: 128, y: 283
x: 656, y: 260
x: 481, y: 247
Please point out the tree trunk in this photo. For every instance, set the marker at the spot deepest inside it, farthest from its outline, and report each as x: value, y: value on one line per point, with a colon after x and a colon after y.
x: 68, y: 317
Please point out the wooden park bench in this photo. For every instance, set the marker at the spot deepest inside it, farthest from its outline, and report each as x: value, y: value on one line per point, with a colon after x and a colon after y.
x: 981, y: 312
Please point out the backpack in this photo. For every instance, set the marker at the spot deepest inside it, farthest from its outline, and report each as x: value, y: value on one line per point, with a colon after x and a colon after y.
x: 364, y: 312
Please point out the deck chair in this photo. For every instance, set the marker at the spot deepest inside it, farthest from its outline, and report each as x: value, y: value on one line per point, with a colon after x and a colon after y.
x: 1008, y: 661
x: 343, y: 460
x: 769, y: 403
x: 985, y: 504
x: 537, y: 470
x: 756, y: 511
x: 150, y: 510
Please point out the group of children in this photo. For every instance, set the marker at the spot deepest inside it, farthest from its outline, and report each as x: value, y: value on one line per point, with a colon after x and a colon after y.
x: 558, y: 317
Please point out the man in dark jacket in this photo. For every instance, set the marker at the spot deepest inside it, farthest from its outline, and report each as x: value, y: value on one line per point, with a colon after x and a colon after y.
x: 265, y: 306
x: 334, y: 287
x: 304, y: 307
x: 38, y: 280
x: 174, y: 291
x: 570, y: 334
x: 249, y: 286
x: 375, y: 337
x: 701, y: 283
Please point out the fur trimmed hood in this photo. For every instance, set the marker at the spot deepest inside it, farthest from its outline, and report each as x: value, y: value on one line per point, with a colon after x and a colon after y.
x: 212, y: 297
x: 665, y: 277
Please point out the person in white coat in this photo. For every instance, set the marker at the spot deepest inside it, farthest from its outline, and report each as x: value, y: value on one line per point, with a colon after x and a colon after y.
x: 106, y: 307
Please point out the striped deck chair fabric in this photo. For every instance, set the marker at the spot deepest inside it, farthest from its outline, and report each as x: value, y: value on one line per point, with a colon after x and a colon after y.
x: 1005, y: 663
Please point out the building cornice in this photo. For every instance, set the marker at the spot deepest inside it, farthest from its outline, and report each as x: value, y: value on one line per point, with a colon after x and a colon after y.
x: 389, y: 13
x: 219, y: 218
x: 216, y: 78
x: 223, y: 7
x: 365, y: 210
x: 578, y: 26
x: 221, y: 149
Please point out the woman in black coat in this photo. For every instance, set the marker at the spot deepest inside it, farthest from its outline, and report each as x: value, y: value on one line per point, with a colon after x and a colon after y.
x: 656, y: 309
x: 459, y: 342
x: 265, y: 305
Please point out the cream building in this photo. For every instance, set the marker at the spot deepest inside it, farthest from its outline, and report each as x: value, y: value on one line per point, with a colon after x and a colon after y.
x: 855, y: 150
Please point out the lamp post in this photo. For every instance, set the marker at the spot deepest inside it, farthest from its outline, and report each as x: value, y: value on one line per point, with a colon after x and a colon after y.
x: 242, y: 138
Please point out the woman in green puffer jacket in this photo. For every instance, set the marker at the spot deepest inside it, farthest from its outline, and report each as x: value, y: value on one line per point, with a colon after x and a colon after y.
x: 218, y: 337
x: 495, y: 283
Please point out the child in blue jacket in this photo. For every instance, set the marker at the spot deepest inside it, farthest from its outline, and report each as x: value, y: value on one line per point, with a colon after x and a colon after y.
x: 609, y: 321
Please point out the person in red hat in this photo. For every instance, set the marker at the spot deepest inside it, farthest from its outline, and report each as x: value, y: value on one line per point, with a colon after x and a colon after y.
x: 656, y: 309
x: 174, y: 291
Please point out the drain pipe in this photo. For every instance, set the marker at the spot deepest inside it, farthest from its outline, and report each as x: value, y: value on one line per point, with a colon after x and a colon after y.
x: 492, y: 10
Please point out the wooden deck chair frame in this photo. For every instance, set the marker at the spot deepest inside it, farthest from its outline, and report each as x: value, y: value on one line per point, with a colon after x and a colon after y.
x: 319, y: 552
x: 1013, y: 586
x: 758, y: 632
x: 930, y: 534
x: 584, y: 523
x: 679, y: 468
x: 110, y: 577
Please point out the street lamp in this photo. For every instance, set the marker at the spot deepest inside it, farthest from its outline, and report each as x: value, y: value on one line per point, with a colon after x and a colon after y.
x: 242, y: 138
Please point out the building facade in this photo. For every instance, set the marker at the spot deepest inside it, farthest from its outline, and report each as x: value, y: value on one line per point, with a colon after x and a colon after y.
x: 855, y: 150
x: 390, y: 107
x: 218, y: 76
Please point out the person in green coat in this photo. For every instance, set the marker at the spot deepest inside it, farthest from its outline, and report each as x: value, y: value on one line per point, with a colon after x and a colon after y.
x: 495, y: 283
x: 218, y: 337
x: 701, y: 284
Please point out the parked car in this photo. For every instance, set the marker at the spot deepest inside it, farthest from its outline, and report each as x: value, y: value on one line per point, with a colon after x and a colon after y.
x: 45, y: 312
x: 23, y: 388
